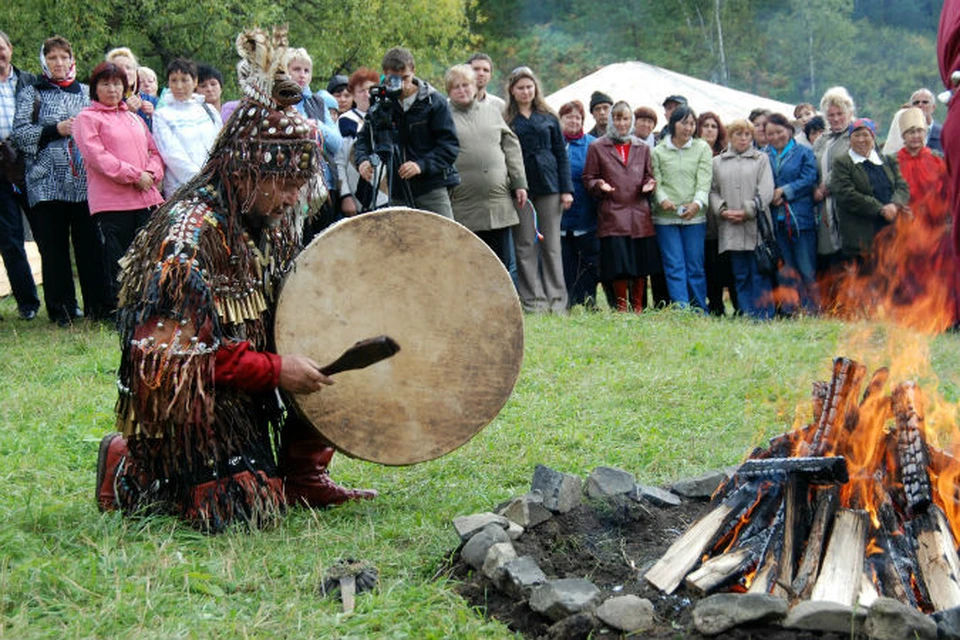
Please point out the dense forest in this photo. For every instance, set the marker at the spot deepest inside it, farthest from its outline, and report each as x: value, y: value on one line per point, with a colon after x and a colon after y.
x: 791, y: 50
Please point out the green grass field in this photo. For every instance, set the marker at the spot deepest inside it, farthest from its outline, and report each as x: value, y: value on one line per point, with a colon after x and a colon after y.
x: 664, y: 395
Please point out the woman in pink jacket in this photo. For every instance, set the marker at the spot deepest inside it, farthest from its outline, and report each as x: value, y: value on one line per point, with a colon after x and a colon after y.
x: 123, y: 166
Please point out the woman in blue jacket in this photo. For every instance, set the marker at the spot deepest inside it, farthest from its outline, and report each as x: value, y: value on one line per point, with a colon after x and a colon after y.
x: 795, y: 177
x: 578, y: 227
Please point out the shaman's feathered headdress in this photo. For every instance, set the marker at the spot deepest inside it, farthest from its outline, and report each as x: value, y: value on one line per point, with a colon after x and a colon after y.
x: 266, y: 135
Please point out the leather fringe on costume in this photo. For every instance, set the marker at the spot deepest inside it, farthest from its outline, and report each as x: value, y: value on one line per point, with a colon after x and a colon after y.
x: 193, y: 280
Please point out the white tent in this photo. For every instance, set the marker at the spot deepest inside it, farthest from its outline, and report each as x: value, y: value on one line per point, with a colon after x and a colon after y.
x: 642, y: 84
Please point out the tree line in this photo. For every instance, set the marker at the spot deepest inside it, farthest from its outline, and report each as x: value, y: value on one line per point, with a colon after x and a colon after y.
x: 790, y: 50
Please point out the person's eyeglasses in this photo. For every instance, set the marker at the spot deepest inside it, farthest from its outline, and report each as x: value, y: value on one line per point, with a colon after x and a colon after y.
x: 919, y: 102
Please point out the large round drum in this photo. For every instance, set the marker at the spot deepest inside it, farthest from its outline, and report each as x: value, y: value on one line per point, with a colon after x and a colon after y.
x: 442, y: 294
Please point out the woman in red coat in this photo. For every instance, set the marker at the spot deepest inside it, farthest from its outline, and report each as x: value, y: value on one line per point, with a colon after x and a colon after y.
x: 619, y: 174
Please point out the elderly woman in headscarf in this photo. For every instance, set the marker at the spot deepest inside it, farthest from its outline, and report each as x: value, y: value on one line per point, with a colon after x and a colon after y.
x: 619, y: 173
x: 742, y: 190
x: 490, y: 165
x: 870, y: 193
x: 924, y: 170
x: 57, y: 186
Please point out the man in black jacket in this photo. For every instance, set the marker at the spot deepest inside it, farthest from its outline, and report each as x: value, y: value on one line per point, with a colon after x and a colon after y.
x: 419, y: 164
x: 12, y: 81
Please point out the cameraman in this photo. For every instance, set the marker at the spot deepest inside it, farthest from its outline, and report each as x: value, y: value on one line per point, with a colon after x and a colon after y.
x: 423, y: 136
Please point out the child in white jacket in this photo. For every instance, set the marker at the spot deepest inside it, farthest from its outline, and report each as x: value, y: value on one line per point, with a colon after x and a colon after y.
x: 184, y: 127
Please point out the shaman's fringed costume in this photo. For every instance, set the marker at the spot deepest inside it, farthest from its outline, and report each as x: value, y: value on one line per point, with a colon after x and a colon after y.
x: 199, y: 407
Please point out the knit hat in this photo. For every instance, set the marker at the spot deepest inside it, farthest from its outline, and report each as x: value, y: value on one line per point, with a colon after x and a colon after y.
x: 864, y: 123
x: 338, y: 83
x: 598, y: 98
x: 912, y: 118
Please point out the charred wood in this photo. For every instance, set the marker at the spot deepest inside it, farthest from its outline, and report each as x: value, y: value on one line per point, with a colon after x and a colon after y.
x: 827, y: 502
x: 841, y: 398
x: 895, y: 566
x: 813, y: 470
x: 912, y: 448
x: 728, y: 567
x: 684, y: 554
x: 764, y: 580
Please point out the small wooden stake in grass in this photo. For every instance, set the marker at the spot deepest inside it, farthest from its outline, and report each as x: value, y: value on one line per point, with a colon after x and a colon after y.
x: 348, y: 588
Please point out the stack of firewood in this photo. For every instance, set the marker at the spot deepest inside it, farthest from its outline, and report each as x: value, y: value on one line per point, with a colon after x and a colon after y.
x: 842, y: 510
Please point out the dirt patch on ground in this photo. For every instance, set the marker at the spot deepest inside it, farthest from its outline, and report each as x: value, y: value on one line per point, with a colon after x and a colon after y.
x: 611, y: 543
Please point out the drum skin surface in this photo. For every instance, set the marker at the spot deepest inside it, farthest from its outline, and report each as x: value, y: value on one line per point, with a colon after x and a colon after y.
x: 442, y: 295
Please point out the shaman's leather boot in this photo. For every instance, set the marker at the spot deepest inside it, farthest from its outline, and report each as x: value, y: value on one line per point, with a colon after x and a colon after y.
x: 304, y: 458
x: 113, y: 452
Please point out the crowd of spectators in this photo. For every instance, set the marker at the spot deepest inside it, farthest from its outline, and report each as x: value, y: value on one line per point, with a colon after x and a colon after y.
x: 640, y: 216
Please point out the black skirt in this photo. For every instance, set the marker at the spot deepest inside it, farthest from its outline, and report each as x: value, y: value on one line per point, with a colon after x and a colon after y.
x: 623, y: 257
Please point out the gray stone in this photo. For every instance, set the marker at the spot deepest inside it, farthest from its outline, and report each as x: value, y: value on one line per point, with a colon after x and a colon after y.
x: 579, y: 626
x: 607, y: 481
x: 527, y: 510
x: 474, y: 552
x: 700, y: 487
x: 497, y: 556
x: 948, y: 623
x: 890, y: 619
x: 817, y: 615
x: 466, y: 526
x: 514, y: 530
x: 656, y: 496
x: 521, y: 576
x: 724, y: 611
x: 628, y: 613
x: 561, y: 491
x: 558, y: 599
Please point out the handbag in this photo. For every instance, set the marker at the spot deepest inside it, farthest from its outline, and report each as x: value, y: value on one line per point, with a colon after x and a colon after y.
x: 768, y: 255
x: 12, y: 166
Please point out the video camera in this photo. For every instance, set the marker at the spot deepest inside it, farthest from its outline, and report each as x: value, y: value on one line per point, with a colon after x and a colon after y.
x: 384, y: 98
x: 383, y: 114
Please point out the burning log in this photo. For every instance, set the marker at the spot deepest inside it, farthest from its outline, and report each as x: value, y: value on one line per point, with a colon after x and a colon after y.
x: 894, y: 565
x: 790, y: 534
x: 938, y: 561
x: 912, y: 448
x: 763, y: 580
x: 684, y: 554
x: 840, y: 400
x: 827, y: 501
x: 725, y: 568
x: 840, y: 576
x: 812, y: 470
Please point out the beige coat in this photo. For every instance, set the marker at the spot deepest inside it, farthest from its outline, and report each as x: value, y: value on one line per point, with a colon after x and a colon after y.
x: 490, y: 165
x: 737, y: 178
